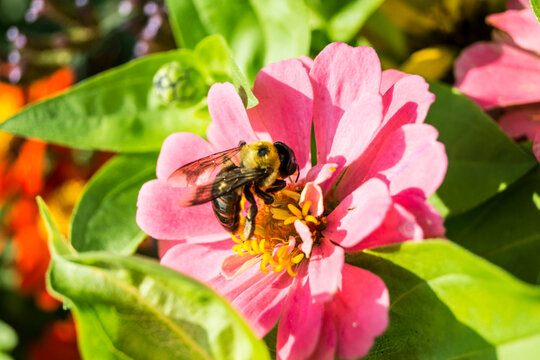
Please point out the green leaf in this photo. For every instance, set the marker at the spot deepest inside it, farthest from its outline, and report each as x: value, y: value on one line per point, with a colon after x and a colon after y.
x: 482, y: 160
x: 111, y: 111
x: 535, y: 4
x: 506, y: 229
x: 258, y: 31
x: 214, y: 55
x: 8, y: 338
x: 131, y: 307
x: 346, y: 23
x: 104, y: 218
x: 119, y: 110
x: 449, y: 304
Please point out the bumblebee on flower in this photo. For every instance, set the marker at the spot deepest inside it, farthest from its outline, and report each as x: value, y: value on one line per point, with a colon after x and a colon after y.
x: 367, y: 122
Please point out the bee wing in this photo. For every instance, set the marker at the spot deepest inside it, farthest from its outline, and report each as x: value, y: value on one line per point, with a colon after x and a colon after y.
x: 224, y: 183
x: 203, y: 171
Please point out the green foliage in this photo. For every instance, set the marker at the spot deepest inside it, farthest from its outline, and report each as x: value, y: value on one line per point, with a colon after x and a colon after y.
x: 506, y: 229
x: 346, y: 23
x: 536, y: 8
x: 449, y: 304
x: 8, y: 339
x: 104, y: 218
x: 118, y: 111
x: 131, y: 307
x: 482, y: 160
x: 258, y: 31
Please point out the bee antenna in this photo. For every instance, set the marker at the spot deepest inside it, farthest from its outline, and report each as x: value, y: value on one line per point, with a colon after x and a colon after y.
x: 297, y: 172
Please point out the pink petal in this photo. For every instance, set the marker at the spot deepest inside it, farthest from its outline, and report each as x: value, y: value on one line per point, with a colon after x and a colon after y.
x: 498, y: 75
x: 285, y: 107
x: 305, y: 234
x: 389, y: 78
x: 398, y: 226
x: 179, y: 149
x: 524, y: 121
x: 355, y: 130
x: 234, y: 265
x: 312, y: 192
x: 230, y: 123
x: 406, y: 102
x: 536, y: 146
x: 340, y: 73
x: 426, y: 216
x: 323, y: 175
x: 326, y: 345
x: 360, y: 213
x: 325, y: 270
x: 200, y: 261
x: 160, y: 216
x: 411, y: 157
x: 307, y: 62
x: 262, y: 302
x: 360, y: 312
x: 300, y: 323
x: 257, y: 296
x: 521, y: 25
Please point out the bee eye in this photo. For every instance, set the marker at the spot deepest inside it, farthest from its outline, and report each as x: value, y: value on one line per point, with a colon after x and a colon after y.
x: 262, y: 152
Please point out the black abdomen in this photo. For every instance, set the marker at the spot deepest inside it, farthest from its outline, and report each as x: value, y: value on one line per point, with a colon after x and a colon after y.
x: 227, y: 206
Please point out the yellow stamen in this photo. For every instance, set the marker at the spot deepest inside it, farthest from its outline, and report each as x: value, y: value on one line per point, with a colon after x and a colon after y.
x: 264, y: 262
x: 292, y: 194
x: 305, y: 208
x: 312, y: 219
x: 235, y: 239
x: 290, y: 220
x: 290, y: 270
x: 297, y: 258
x: 255, y: 246
x: 295, y: 210
x: 280, y: 214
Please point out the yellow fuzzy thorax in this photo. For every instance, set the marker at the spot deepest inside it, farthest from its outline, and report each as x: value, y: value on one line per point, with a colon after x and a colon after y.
x: 252, y: 159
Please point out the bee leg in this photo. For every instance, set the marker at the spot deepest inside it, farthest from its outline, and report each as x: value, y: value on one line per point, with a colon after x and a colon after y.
x: 249, y: 227
x: 267, y: 198
x: 276, y: 186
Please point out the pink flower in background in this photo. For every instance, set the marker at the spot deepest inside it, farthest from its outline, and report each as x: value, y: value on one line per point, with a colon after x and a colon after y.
x: 505, y: 73
x: 366, y: 121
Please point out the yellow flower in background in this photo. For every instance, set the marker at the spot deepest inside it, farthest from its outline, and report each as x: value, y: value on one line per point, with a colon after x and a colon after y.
x: 432, y: 63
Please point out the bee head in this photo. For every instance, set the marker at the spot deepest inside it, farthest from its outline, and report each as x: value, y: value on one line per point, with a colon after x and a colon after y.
x: 288, y: 165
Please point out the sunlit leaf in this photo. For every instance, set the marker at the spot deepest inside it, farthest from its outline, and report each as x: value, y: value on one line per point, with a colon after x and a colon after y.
x: 482, y: 160
x: 449, y: 304
x: 104, y: 218
x: 131, y: 307
x: 506, y: 229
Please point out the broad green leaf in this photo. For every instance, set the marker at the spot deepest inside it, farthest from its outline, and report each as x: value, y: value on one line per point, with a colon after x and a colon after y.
x: 506, y: 229
x: 482, y: 160
x: 449, y: 304
x: 258, y: 31
x: 8, y: 338
x: 346, y: 23
x: 535, y: 4
x: 131, y: 307
x: 111, y: 111
x: 118, y: 110
x: 104, y: 218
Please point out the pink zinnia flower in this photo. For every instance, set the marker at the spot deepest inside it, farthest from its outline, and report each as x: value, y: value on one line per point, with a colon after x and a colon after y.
x: 293, y: 268
x: 505, y: 73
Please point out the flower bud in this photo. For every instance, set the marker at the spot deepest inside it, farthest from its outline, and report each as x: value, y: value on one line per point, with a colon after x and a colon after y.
x: 175, y: 83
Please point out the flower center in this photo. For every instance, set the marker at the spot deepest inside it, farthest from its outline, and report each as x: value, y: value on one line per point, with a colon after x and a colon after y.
x: 276, y: 239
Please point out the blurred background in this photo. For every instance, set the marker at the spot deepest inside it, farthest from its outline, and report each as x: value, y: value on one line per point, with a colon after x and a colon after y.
x: 48, y: 45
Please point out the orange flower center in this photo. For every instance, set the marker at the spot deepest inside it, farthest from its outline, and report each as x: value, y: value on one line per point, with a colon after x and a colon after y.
x: 276, y: 239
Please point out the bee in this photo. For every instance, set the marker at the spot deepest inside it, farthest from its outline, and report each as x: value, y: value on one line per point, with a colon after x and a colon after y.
x: 259, y: 167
